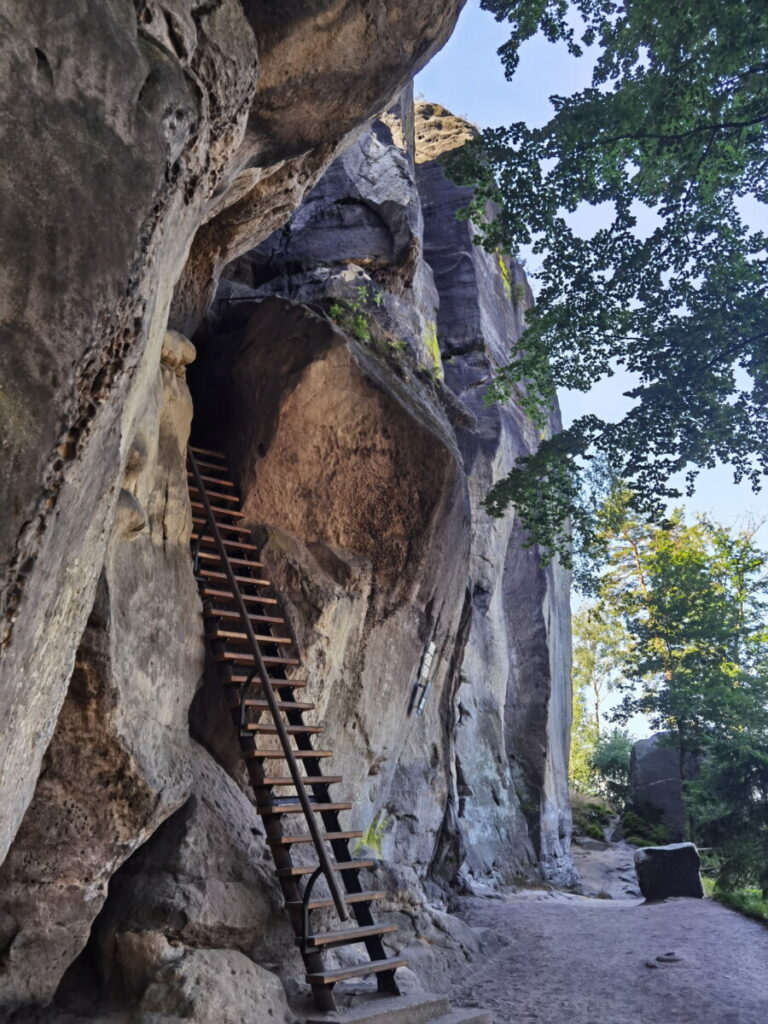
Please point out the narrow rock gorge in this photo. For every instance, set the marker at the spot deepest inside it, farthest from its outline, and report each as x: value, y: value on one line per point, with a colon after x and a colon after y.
x: 229, y: 220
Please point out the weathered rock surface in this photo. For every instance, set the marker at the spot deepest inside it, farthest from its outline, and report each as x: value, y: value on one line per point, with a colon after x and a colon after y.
x: 669, y: 871
x: 358, y: 466
x: 204, y: 880
x: 158, y: 141
x: 383, y: 222
x: 143, y: 137
x: 655, y: 783
x: 118, y: 763
x: 220, y: 985
x: 514, y: 720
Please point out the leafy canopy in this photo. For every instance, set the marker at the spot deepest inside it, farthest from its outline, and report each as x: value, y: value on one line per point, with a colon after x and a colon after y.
x: 673, y: 126
x: 694, y: 602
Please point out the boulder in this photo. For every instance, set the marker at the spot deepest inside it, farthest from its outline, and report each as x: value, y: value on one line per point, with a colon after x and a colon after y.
x: 668, y: 871
x: 220, y: 985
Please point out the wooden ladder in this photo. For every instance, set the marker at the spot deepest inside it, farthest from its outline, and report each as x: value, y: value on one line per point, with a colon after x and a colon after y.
x: 254, y: 648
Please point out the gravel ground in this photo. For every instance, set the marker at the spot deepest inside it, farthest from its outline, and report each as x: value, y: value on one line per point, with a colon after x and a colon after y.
x: 558, y: 958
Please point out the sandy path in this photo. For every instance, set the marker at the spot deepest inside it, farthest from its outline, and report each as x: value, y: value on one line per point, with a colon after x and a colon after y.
x: 554, y: 958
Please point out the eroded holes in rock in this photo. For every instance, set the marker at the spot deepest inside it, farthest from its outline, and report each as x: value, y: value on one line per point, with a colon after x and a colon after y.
x: 43, y: 65
x: 132, y: 936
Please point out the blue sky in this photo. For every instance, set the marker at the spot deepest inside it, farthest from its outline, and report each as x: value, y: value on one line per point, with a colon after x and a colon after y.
x: 467, y: 78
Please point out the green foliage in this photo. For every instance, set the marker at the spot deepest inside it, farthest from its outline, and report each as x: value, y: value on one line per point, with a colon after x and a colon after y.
x: 693, y: 599
x: 584, y: 736
x: 373, y: 836
x: 749, y: 902
x: 354, y: 315
x: 610, y: 763
x: 600, y: 647
x: 590, y: 817
x: 639, y: 831
x: 675, y: 122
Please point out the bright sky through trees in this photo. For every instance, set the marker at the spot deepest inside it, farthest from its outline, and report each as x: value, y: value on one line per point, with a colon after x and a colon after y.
x: 484, y: 96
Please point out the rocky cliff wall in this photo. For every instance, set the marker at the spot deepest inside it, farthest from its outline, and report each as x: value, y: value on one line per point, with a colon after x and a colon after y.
x: 157, y: 141
x: 379, y: 243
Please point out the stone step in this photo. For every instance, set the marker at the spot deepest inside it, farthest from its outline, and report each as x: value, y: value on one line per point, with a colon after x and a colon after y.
x: 466, y: 1017
x: 416, y: 1008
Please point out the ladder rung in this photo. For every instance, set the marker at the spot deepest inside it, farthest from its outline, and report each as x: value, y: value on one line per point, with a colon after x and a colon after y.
x: 343, y: 973
x: 321, y: 902
x: 202, y: 464
x: 283, y: 705
x: 308, y: 780
x: 239, y: 544
x: 247, y: 659
x: 241, y: 638
x: 228, y: 613
x: 211, y: 479
x: 214, y: 556
x: 207, y: 451
x: 225, y: 634
x: 305, y: 837
x: 237, y: 680
x: 278, y: 755
x: 292, y: 730
x: 207, y: 592
x: 298, y: 809
x: 211, y: 575
x: 233, y: 512
x: 347, y: 938
x: 233, y: 498
x: 308, y: 869
x: 230, y: 527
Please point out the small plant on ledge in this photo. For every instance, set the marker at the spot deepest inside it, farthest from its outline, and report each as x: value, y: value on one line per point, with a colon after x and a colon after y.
x: 354, y: 315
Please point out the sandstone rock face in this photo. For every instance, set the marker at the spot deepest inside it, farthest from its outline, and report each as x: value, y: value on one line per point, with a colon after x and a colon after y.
x: 358, y: 468
x: 214, y: 984
x: 383, y: 222
x: 669, y: 871
x: 655, y: 784
x: 514, y: 719
x: 204, y: 880
x: 118, y: 763
x: 170, y: 126
x: 158, y: 141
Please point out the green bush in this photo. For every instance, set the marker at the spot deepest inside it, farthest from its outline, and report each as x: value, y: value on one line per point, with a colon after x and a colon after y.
x: 610, y: 761
x: 590, y: 816
x: 749, y: 902
x: 639, y: 831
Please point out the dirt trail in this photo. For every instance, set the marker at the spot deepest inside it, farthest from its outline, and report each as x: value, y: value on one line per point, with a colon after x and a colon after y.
x: 559, y: 958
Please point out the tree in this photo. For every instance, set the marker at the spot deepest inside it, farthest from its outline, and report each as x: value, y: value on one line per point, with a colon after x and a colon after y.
x: 584, y: 737
x: 694, y: 600
x: 673, y: 129
x: 610, y: 763
x: 599, y: 648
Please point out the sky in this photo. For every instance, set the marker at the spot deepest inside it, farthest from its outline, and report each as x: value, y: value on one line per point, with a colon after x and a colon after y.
x: 467, y: 78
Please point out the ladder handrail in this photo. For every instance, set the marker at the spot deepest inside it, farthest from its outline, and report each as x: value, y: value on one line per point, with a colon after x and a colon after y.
x: 266, y: 683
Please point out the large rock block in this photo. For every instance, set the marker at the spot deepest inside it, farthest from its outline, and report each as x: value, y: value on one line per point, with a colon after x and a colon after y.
x: 513, y: 697
x: 655, y: 783
x: 668, y: 871
x: 207, y: 985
